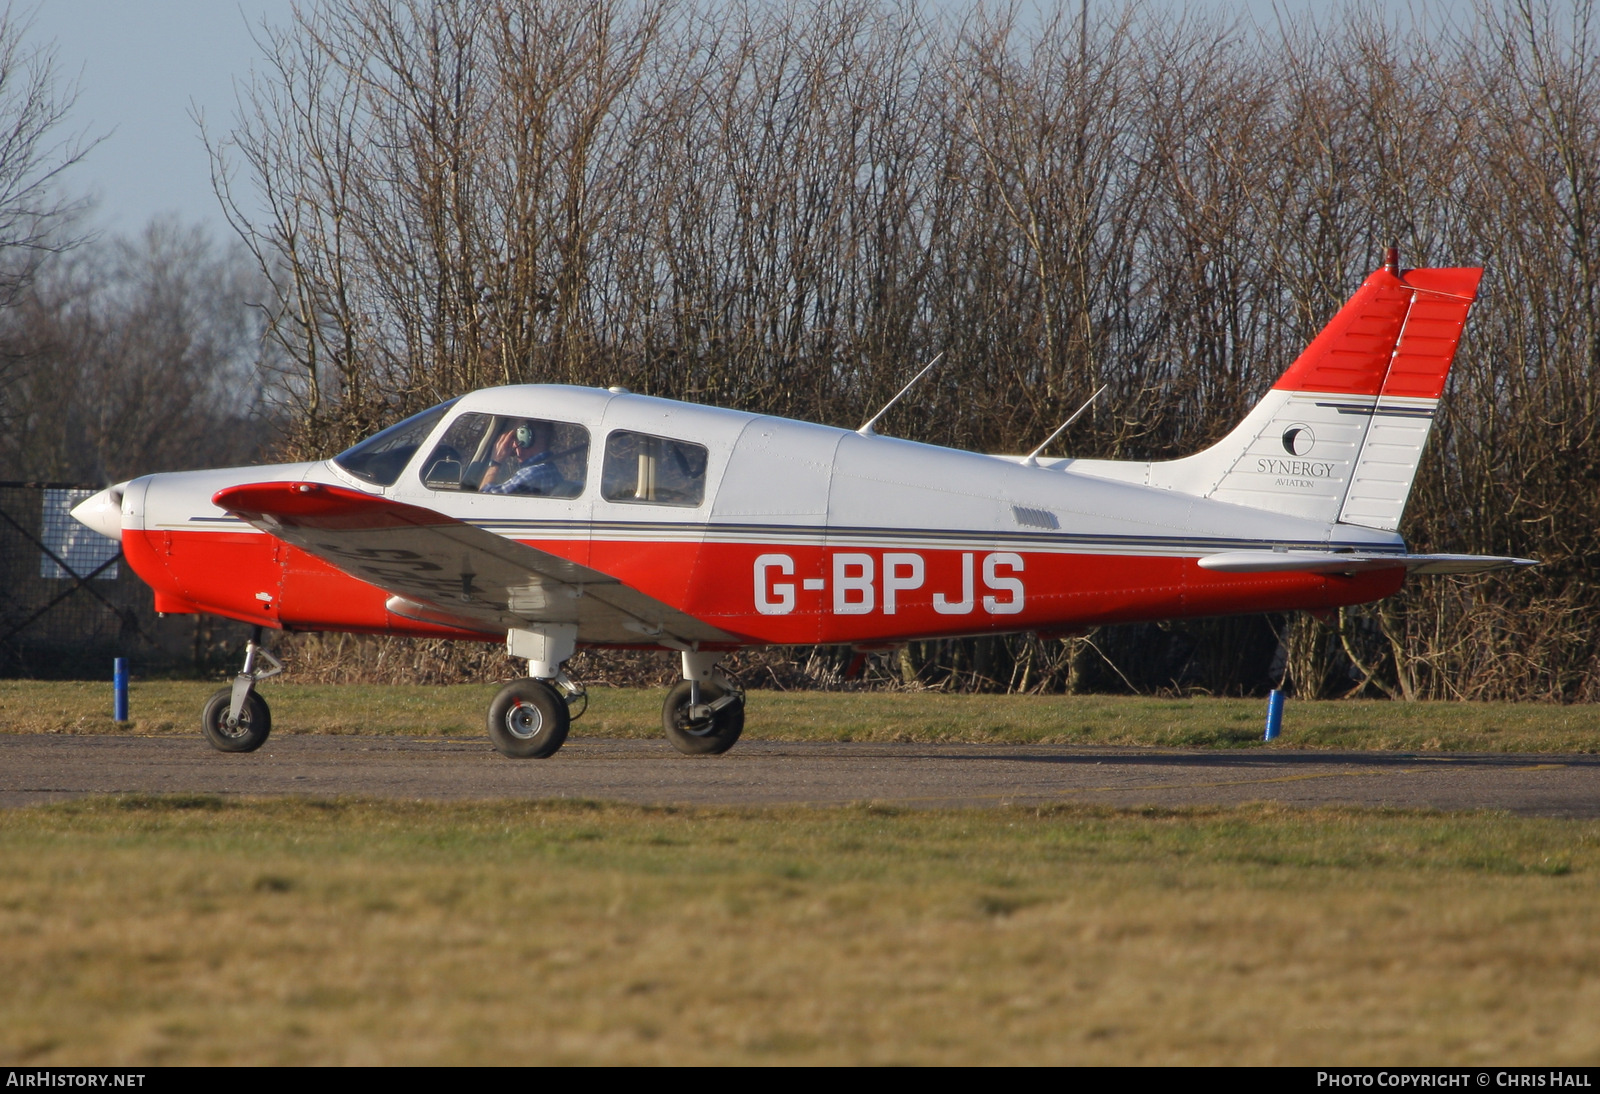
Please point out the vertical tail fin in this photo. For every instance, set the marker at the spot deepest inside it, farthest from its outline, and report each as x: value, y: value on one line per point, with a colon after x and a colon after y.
x: 1340, y: 435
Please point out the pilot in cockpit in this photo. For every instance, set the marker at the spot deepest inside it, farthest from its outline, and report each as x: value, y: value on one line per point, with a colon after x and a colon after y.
x: 522, y: 462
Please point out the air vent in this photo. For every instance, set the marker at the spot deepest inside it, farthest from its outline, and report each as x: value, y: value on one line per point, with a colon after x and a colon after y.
x: 1035, y: 518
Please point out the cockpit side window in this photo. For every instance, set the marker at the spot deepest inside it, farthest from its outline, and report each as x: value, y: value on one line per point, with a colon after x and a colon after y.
x: 499, y: 454
x: 381, y: 457
x: 646, y: 470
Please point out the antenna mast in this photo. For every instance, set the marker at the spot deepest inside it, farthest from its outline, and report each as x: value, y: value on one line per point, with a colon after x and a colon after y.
x: 1032, y: 459
x: 867, y: 430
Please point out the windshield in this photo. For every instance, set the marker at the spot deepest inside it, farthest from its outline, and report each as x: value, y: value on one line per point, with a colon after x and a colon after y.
x: 380, y: 458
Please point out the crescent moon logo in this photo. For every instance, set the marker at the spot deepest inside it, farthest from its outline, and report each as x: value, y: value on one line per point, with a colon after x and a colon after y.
x: 1298, y: 440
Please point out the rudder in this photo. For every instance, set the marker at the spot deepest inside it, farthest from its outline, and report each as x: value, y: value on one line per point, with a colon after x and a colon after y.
x: 1403, y: 413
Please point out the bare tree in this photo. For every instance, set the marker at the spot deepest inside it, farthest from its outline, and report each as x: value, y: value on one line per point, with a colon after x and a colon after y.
x: 34, y: 151
x: 133, y: 356
x: 35, y: 216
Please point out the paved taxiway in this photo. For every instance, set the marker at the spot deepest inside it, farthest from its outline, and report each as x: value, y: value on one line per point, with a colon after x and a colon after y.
x: 35, y: 769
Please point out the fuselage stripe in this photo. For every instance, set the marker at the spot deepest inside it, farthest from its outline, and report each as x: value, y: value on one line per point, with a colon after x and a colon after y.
x: 1056, y: 542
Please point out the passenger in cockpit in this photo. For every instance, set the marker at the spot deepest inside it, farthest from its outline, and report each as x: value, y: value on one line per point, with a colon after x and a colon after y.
x: 522, y: 462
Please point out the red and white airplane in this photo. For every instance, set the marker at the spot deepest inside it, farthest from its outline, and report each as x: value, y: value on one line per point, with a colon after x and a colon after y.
x: 554, y: 517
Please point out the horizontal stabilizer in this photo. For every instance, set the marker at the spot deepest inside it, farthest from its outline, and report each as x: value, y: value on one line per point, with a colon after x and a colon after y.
x: 1334, y: 562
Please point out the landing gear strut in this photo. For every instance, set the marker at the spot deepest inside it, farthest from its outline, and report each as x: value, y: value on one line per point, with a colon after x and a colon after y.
x: 704, y: 714
x: 530, y: 718
x: 236, y: 719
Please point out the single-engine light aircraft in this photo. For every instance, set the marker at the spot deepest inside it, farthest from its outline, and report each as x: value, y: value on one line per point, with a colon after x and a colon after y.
x: 553, y: 517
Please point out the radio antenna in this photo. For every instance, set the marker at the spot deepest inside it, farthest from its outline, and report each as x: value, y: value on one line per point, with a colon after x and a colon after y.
x: 1032, y: 459
x: 867, y: 430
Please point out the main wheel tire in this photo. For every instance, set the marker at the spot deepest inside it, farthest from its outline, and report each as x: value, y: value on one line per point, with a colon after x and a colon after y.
x: 528, y: 720
x: 255, y: 722
x: 706, y: 736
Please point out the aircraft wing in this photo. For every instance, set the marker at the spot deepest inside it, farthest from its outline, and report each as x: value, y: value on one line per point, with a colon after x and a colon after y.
x: 1334, y: 562
x: 446, y: 571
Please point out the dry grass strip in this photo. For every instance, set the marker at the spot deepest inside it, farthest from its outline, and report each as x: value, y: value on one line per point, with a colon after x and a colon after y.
x: 195, y: 930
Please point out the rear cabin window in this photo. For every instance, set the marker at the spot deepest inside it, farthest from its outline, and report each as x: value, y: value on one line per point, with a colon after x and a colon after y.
x: 501, y: 454
x: 381, y: 457
x: 645, y: 470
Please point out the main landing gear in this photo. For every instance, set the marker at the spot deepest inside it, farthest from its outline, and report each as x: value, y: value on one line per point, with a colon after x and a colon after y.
x: 236, y: 719
x: 703, y: 715
x: 529, y: 719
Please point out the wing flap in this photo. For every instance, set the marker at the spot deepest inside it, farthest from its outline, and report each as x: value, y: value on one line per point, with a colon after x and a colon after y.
x: 1335, y: 562
x: 442, y: 570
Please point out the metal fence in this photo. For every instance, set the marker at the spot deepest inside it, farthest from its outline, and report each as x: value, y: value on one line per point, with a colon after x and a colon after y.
x: 69, y: 603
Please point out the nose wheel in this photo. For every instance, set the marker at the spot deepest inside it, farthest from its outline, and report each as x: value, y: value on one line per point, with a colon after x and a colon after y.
x: 236, y: 719
x: 244, y: 733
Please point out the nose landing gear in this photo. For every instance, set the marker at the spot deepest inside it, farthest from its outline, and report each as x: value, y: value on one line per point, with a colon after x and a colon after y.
x: 236, y: 719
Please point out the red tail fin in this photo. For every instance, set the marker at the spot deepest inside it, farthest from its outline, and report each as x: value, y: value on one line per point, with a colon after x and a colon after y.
x: 1357, y: 354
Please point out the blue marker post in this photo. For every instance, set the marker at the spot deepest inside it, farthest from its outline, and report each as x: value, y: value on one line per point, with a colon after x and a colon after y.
x: 119, y: 685
x: 1274, y: 715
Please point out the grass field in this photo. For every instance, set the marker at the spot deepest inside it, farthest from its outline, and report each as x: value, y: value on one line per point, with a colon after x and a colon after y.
x: 164, y: 707
x: 169, y: 931
x: 142, y: 930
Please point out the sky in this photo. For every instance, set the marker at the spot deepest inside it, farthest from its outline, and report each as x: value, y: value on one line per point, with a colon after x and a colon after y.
x: 141, y: 70
x: 144, y: 69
